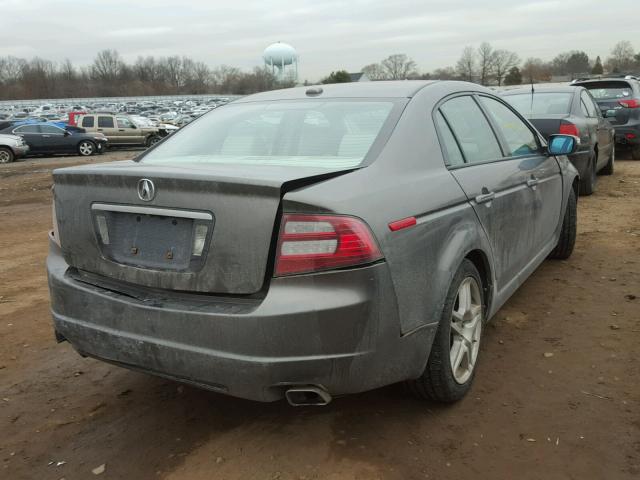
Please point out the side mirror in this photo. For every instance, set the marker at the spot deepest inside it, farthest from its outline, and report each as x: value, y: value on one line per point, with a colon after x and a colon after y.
x: 610, y: 113
x: 563, y: 144
x: 67, y: 133
x: 133, y: 126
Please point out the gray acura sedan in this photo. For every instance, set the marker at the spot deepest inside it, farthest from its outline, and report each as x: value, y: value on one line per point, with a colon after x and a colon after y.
x: 312, y: 242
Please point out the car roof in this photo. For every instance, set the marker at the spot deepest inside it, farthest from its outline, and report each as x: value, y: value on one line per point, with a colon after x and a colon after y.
x: 541, y: 89
x: 384, y: 89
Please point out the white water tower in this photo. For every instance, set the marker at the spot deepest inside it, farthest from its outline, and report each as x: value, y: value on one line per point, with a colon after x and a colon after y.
x: 282, y: 58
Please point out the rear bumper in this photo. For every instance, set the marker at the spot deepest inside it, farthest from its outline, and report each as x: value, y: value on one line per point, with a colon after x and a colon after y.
x: 338, y: 330
x: 628, y: 134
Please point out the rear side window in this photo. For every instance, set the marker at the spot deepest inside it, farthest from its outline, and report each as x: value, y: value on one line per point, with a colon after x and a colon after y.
x: 588, y: 103
x: 448, y: 142
x: 471, y: 129
x: 609, y: 90
x: 87, y: 122
x: 105, y: 122
x: 520, y: 139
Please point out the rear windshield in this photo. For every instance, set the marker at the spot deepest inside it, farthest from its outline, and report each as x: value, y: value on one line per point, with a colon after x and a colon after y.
x: 609, y: 90
x: 312, y: 133
x: 540, y: 103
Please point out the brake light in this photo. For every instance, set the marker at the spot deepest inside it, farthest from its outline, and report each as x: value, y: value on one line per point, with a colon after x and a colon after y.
x: 311, y: 243
x: 631, y: 103
x: 567, y: 128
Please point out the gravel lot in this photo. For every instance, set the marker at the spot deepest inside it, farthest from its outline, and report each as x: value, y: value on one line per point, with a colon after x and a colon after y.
x: 557, y: 395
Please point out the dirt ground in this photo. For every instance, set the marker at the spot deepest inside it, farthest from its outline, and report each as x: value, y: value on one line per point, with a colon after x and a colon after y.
x: 557, y: 395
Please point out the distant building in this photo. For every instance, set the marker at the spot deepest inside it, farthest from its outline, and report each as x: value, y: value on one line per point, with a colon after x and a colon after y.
x: 359, y: 77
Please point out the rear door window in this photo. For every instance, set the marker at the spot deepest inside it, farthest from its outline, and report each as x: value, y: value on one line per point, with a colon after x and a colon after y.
x: 51, y: 130
x: 124, y: 122
x: 105, y: 122
x: 87, y: 122
x: 471, y: 129
x: 519, y: 137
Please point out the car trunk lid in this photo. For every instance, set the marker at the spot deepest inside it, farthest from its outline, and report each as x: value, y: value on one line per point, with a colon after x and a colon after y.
x: 230, y: 211
x: 548, y: 124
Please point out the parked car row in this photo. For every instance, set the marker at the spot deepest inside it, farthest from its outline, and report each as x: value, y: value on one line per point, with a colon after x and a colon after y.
x: 600, y: 112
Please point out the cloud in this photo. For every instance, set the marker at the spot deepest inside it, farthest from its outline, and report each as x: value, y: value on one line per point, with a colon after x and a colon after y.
x: 139, y: 32
x: 328, y: 34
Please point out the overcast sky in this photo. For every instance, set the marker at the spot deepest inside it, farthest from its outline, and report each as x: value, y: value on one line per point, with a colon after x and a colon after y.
x: 328, y: 35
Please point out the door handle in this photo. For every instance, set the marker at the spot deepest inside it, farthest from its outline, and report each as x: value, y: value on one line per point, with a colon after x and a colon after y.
x: 100, y: 129
x: 485, y: 196
x: 532, y: 182
x: 121, y: 130
x: 46, y: 136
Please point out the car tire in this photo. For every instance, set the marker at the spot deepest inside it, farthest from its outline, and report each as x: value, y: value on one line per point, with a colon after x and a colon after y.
x: 635, y: 153
x: 441, y: 380
x: 152, y: 140
x: 567, y: 239
x: 6, y: 155
x: 609, y: 167
x: 86, y: 148
x: 588, y: 184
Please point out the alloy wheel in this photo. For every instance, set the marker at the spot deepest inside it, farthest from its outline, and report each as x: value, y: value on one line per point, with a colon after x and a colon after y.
x: 86, y: 149
x: 5, y: 157
x: 466, y: 329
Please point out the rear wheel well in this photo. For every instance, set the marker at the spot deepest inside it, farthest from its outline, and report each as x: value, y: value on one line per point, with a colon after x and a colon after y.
x: 481, y: 262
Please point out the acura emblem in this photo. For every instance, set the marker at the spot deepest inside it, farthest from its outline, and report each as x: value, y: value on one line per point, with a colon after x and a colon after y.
x: 146, y: 189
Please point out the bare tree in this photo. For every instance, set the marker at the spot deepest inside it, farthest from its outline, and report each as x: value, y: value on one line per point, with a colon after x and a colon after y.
x: 503, y: 62
x: 398, y: 66
x: 486, y: 62
x: 466, y: 66
x: 107, y: 66
x: 535, y: 70
x: 622, y: 57
x: 447, y: 73
x: 374, y: 71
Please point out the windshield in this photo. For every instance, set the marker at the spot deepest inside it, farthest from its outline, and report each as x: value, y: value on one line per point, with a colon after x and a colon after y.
x: 609, y: 90
x: 542, y: 103
x: 314, y: 133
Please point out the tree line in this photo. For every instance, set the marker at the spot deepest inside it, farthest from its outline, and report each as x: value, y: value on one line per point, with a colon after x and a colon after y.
x: 490, y: 66
x: 109, y: 75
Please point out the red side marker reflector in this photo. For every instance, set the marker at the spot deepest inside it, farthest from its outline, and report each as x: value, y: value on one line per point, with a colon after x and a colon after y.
x: 404, y: 223
x: 630, y: 136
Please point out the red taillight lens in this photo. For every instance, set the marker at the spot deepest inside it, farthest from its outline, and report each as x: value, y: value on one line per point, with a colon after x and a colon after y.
x: 567, y: 128
x: 631, y: 103
x: 310, y: 243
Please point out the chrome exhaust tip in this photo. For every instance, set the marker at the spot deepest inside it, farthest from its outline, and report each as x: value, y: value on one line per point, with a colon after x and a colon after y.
x: 307, y: 395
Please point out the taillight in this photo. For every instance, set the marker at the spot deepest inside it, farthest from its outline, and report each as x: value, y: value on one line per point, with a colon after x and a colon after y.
x: 311, y: 243
x: 631, y: 103
x: 567, y: 128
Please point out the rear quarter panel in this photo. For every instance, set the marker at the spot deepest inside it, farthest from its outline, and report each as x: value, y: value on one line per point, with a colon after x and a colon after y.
x: 409, y: 178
